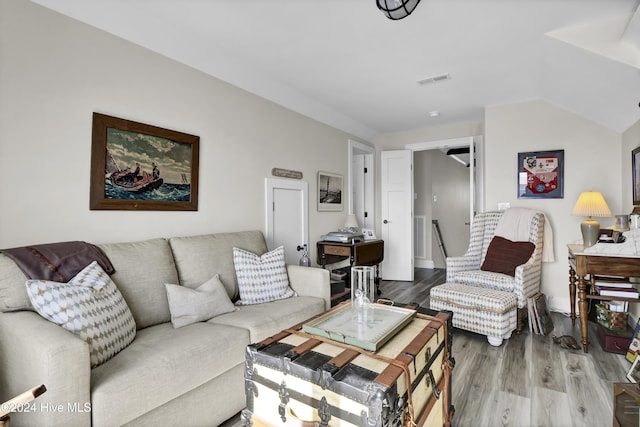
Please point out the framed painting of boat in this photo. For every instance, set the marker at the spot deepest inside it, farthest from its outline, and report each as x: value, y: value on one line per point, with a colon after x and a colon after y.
x: 135, y: 166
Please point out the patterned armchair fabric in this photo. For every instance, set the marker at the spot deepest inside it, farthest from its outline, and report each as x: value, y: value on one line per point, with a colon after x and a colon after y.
x: 466, y: 269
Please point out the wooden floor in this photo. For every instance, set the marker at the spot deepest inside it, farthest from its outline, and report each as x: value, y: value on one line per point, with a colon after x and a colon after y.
x: 528, y: 380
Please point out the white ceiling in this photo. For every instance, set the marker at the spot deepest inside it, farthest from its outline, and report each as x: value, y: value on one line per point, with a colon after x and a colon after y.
x: 344, y: 63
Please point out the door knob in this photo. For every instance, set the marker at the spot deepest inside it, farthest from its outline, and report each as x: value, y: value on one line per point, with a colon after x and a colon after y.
x: 386, y: 222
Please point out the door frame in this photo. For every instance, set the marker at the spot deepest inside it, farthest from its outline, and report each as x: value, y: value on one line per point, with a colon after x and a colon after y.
x: 476, y: 170
x: 274, y: 183
x: 357, y: 148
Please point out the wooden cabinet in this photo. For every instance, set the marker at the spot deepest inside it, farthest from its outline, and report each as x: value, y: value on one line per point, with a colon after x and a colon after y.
x: 368, y: 252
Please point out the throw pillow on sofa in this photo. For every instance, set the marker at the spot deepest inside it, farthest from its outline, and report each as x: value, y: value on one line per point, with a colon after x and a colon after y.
x: 503, y: 255
x: 207, y: 301
x: 261, y: 278
x: 90, y: 306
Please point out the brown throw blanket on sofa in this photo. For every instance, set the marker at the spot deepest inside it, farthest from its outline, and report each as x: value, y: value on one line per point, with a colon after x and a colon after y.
x: 58, y: 262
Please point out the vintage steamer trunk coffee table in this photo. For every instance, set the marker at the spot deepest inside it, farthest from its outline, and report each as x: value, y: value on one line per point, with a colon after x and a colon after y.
x: 299, y: 379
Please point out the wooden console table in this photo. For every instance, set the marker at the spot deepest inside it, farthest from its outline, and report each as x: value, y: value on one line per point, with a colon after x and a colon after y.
x: 583, y: 264
x: 368, y: 252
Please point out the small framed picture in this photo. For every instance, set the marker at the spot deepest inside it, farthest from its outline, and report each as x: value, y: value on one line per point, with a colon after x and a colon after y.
x: 634, y: 373
x: 635, y: 172
x: 541, y: 175
x: 369, y: 234
x: 329, y: 192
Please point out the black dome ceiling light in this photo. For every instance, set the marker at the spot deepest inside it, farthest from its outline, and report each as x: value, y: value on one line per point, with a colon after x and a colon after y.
x: 397, y: 9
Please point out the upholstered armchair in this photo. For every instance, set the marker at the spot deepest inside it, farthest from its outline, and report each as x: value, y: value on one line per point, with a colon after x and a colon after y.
x: 493, y: 279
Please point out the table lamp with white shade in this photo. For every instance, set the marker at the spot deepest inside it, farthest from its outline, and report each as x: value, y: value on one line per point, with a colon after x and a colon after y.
x: 590, y: 204
x: 351, y: 222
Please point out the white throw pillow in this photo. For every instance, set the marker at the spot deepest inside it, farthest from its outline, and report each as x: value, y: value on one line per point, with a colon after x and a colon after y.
x: 90, y: 306
x: 207, y: 301
x: 261, y: 278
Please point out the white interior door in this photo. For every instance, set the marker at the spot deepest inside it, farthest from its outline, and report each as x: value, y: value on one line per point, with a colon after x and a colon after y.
x: 397, y: 214
x: 287, y: 216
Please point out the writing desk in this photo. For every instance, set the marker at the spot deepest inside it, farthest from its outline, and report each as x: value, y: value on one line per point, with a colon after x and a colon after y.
x: 368, y: 252
x: 583, y: 263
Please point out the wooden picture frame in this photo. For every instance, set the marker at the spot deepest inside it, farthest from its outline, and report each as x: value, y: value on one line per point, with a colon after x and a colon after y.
x: 635, y: 171
x: 330, y: 192
x: 135, y: 166
x: 634, y: 372
x: 541, y: 175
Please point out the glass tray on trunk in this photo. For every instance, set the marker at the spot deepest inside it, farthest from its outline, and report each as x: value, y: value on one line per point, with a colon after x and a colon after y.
x: 379, y: 325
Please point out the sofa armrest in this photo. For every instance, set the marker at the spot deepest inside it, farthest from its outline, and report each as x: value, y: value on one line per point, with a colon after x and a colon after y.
x: 35, y: 351
x: 311, y: 281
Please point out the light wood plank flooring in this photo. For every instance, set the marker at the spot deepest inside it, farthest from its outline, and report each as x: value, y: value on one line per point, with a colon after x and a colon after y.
x: 528, y: 380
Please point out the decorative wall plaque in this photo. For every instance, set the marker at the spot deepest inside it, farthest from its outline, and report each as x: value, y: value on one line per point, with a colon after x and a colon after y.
x: 286, y: 173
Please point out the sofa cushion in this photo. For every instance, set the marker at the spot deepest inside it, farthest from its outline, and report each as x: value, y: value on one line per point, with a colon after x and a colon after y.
x: 504, y: 255
x: 142, y: 269
x: 487, y: 279
x: 198, y: 258
x: 265, y: 320
x: 161, y: 364
x: 189, y: 306
x: 89, y: 306
x: 13, y: 293
x: 261, y: 278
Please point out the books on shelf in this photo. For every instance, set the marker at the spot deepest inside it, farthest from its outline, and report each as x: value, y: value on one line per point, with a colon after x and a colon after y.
x: 614, y: 284
x: 616, y: 291
x: 619, y: 306
x: 540, y: 321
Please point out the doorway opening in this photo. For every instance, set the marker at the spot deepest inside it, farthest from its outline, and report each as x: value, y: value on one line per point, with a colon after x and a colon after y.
x: 447, y: 194
x: 361, y: 170
x: 397, y: 176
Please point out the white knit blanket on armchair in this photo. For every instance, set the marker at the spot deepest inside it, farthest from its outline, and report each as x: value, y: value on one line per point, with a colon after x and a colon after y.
x: 515, y: 224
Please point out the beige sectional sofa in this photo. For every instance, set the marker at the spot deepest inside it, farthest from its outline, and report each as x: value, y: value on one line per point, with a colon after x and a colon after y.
x: 189, y: 376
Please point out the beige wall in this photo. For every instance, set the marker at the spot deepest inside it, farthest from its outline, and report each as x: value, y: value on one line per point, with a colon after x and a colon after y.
x: 396, y: 141
x: 592, y: 162
x: 55, y: 72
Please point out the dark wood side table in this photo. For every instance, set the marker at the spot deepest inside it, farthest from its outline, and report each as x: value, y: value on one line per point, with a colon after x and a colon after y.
x: 583, y: 264
x: 368, y: 252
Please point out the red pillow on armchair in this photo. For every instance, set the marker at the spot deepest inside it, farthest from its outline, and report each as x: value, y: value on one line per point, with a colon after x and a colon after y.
x: 503, y: 255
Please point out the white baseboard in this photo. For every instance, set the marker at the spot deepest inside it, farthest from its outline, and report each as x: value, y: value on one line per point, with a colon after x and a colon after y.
x: 423, y: 263
x: 559, y: 304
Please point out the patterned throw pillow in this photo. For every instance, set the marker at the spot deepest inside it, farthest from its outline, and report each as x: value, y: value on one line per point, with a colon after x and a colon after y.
x: 261, y: 278
x: 90, y: 306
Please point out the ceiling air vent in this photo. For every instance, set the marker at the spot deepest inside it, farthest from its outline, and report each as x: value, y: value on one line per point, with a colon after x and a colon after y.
x: 434, y: 79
